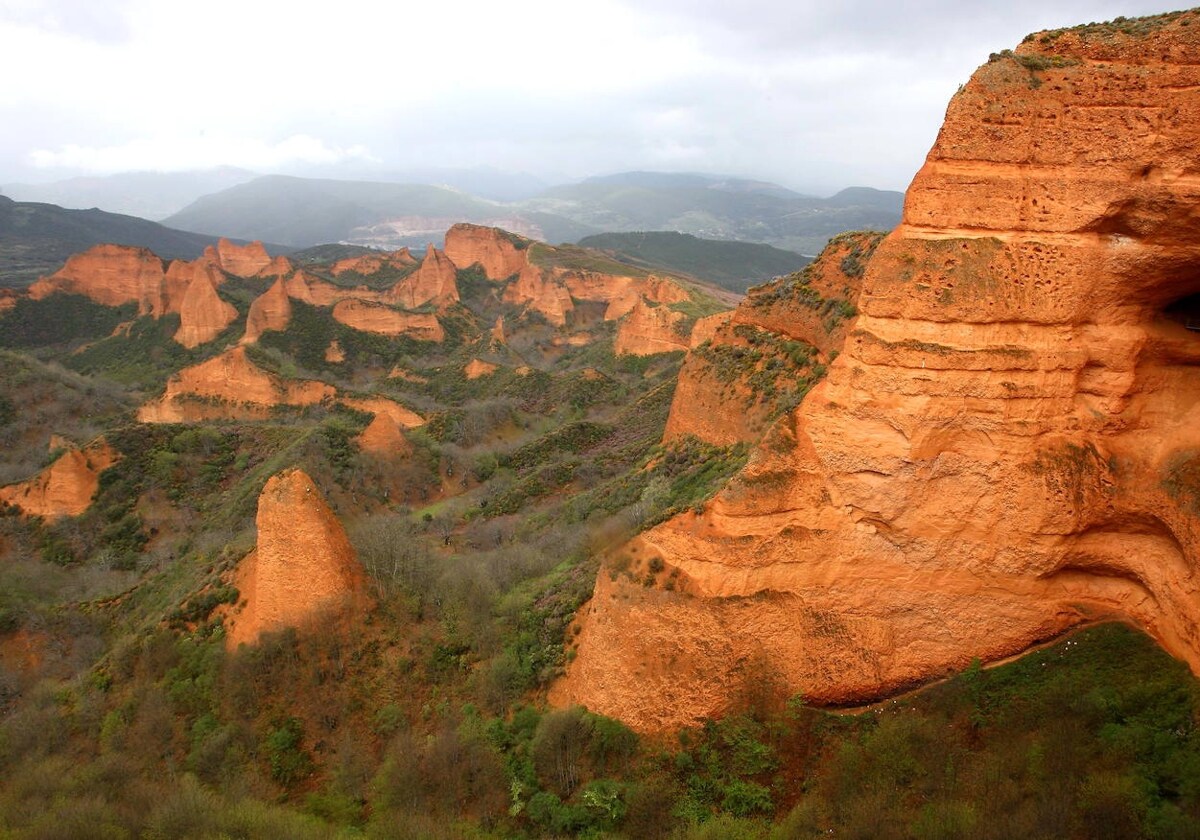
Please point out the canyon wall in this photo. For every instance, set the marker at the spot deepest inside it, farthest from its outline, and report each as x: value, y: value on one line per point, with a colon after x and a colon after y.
x: 1009, y: 442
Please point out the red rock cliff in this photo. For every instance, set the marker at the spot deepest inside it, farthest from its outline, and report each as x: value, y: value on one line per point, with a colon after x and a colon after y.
x: 272, y: 310
x: 202, y: 313
x: 303, y: 567
x: 112, y: 275
x: 499, y: 253
x: 1007, y: 445
x: 434, y: 281
x: 242, y: 260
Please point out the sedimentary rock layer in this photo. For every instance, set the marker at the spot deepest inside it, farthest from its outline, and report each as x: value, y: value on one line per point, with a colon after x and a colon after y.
x: 1008, y: 444
x: 303, y: 567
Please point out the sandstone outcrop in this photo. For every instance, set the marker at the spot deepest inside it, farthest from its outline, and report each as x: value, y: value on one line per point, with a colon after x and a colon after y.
x: 378, y: 318
x: 499, y: 253
x: 542, y: 293
x: 649, y: 329
x: 334, y: 354
x: 747, y: 366
x: 403, y: 417
x: 279, y: 266
x: 202, y: 313
x: 383, y: 437
x: 369, y: 264
x: 66, y: 487
x: 229, y: 386
x: 477, y: 368
x: 314, y: 291
x: 1007, y: 444
x: 242, y: 260
x: 272, y: 310
x: 434, y: 281
x: 112, y: 275
x: 303, y: 568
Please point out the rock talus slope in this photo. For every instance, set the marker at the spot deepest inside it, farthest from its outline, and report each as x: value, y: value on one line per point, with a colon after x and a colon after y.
x: 1009, y: 442
x: 303, y: 565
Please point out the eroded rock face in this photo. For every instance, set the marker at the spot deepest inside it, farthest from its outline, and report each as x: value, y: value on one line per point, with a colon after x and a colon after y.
x: 649, y: 329
x: 242, y: 260
x: 499, y: 253
x: 381, y: 319
x: 66, y: 487
x: 744, y: 368
x: 369, y: 264
x: 229, y: 386
x: 434, y: 281
x: 1008, y: 444
x: 272, y: 310
x: 542, y: 292
x: 279, y: 266
x: 202, y: 313
x: 112, y: 275
x: 303, y: 568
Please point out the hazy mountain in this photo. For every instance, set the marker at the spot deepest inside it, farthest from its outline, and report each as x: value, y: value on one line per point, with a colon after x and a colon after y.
x: 732, y: 265
x: 36, y: 239
x: 150, y: 195
x: 310, y: 211
x: 720, y: 208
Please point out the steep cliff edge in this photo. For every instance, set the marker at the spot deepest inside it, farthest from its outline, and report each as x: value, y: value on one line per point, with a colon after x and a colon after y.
x: 746, y: 368
x: 270, y: 311
x: 303, y: 567
x: 112, y: 275
x: 1007, y: 445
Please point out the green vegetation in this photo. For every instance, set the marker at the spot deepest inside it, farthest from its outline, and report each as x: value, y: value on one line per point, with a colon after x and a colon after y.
x: 426, y: 716
x: 731, y: 265
x: 1137, y: 27
x: 62, y: 320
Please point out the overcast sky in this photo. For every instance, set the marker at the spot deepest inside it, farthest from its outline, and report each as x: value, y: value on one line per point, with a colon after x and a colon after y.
x: 813, y: 95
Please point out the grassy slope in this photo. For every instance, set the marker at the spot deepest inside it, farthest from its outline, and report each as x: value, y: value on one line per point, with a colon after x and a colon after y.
x: 735, y: 266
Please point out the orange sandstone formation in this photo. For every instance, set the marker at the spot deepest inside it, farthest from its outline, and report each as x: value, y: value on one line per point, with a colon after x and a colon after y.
x: 403, y: 417
x: 1005, y: 447
x: 499, y: 253
x: 477, y: 368
x: 334, y: 353
x: 378, y: 318
x: 229, y: 386
x: 272, y: 310
x: 746, y: 366
x: 279, y: 266
x: 202, y: 313
x: 66, y: 487
x: 542, y: 293
x: 434, y: 281
x: 303, y: 567
x: 368, y: 264
x: 112, y: 275
x: 383, y: 437
x: 242, y: 260
x: 649, y: 329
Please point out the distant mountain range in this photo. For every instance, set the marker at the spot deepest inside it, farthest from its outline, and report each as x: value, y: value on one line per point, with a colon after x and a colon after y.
x: 36, y: 239
x: 149, y: 195
x: 305, y: 211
